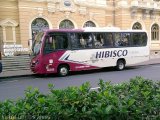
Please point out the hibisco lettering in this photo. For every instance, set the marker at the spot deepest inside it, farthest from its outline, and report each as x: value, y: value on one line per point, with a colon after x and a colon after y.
x: 114, y: 53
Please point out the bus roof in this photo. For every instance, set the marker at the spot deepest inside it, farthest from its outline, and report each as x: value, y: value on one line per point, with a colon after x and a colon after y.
x: 64, y: 30
x: 93, y: 29
x: 109, y: 29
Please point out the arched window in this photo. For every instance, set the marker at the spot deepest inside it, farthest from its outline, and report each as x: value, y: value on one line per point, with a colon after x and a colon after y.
x: 66, y: 24
x: 38, y: 25
x: 155, y: 32
x: 89, y: 24
x: 137, y: 26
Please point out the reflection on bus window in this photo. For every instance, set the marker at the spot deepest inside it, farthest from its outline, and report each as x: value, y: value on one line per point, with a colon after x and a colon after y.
x: 139, y: 39
x: 62, y: 42
x: 125, y: 39
x: 89, y: 41
x: 83, y: 42
x: 122, y: 39
x: 109, y: 40
x: 49, y: 45
x: 98, y: 40
x: 143, y: 39
x: 86, y: 40
x: 75, y: 43
x: 118, y: 41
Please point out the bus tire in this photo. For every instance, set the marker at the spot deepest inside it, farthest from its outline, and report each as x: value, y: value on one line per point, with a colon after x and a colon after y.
x: 120, y: 65
x: 63, y: 70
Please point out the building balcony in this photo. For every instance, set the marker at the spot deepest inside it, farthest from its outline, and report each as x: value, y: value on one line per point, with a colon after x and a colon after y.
x: 92, y: 3
x: 148, y: 4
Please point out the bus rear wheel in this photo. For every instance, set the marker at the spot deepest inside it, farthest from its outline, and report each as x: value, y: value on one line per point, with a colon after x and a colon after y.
x: 120, y: 65
x: 63, y: 70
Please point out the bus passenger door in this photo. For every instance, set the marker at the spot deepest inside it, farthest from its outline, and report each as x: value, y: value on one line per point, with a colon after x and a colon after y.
x: 55, y: 46
x: 48, y: 54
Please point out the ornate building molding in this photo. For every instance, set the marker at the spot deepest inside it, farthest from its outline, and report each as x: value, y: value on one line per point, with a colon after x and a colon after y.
x: 145, y: 13
x: 122, y: 3
x: 82, y: 10
x: 8, y: 22
x: 92, y: 3
x: 52, y: 5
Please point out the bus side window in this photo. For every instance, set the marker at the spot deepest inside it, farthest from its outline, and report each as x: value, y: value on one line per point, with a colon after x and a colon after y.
x: 136, y: 39
x: 49, y: 44
x: 65, y: 42
x: 62, y: 42
x: 143, y: 39
x: 75, y: 43
x: 89, y: 41
x: 98, y: 40
x: 125, y: 39
x: 82, y: 41
x: 109, y: 40
x: 117, y: 40
x: 86, y: 40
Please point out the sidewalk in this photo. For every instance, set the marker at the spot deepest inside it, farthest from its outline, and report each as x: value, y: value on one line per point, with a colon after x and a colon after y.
x: 23, y: 73
x: 9, y: 74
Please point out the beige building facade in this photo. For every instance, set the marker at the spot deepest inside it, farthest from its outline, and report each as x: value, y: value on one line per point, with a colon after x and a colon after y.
x: 20, y: 20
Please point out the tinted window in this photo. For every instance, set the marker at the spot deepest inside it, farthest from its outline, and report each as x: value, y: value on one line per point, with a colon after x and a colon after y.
x: 85, y: 40
x: 117, y: 39
x: 125, y: 39
x: 98, y: 40
x: 108, y: 40
x: 74, y: 41
x: 55, y: 42
x: 139, y: 39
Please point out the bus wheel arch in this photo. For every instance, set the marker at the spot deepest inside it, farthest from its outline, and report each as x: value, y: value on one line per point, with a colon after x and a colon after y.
x: 121, y: 63
x: 63, y: 70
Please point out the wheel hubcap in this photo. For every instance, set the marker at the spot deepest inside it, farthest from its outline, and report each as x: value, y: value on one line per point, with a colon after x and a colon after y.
x: 63, y: 71
x: 121, y: 66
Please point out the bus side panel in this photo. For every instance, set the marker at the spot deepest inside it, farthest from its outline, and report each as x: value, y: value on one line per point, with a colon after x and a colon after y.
x: 99, y: 58
x: 90, y: 58
x: 137, y: 55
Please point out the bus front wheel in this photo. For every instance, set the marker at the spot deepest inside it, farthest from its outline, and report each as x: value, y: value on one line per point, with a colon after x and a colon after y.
x: 63, y: 70
x: 120, y: 65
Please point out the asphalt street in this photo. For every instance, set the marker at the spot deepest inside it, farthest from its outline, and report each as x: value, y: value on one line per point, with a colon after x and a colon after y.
x: 15, y: 87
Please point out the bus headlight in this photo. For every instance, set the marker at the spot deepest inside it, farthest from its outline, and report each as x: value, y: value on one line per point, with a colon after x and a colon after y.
x: 35, y: 62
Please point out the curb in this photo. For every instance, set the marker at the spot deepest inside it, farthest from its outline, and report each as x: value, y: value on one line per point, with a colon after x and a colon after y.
x: 4, y: 78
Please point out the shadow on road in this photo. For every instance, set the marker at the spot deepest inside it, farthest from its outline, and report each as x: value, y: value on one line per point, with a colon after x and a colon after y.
x: 108, y: 69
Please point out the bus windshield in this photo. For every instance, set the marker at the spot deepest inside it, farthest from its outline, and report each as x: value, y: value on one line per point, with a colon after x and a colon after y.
x: 37, y: 43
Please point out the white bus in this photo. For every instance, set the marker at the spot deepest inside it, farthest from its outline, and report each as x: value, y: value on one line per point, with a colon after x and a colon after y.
x: 60, y: 50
